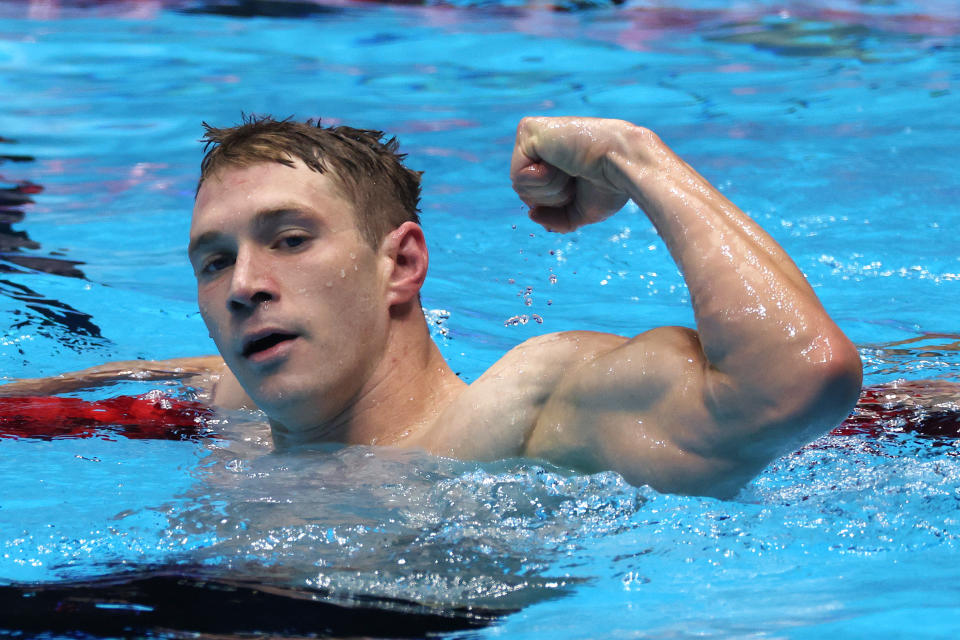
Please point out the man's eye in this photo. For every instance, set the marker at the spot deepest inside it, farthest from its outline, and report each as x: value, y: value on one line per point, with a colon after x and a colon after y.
x: 291, y: 241
x: 216, y: 263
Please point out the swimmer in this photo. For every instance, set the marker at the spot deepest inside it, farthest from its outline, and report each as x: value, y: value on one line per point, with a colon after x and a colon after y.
x: 309, y: 260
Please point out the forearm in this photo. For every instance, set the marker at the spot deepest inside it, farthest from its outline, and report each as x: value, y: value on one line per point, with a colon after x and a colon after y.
x: 113, y: 372
x: 753, y: 306
x: 684, y: 206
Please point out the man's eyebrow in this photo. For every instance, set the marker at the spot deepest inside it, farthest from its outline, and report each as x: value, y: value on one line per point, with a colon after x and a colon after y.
x: 204, y: 239
x: 261, y: 220
x: 267, y: 217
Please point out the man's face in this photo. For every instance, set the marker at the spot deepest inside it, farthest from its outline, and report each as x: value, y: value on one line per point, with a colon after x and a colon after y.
x: 291, y: 293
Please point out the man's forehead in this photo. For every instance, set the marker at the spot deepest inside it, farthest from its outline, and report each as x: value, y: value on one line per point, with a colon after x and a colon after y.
x: 235, y: 194
x: 258, y: 177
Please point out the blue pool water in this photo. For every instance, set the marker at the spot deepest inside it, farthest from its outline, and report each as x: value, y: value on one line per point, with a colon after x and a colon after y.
x: 832, y: 123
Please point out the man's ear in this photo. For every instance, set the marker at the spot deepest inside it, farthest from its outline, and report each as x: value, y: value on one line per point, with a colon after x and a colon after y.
x: 407, y: 249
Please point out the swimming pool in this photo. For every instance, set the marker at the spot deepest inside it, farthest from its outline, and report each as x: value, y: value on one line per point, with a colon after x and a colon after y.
x: 832, y: 126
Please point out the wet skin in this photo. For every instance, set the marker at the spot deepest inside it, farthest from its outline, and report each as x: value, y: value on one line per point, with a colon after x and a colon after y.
x: 325, y: 333
x: 294, y: 298
x: 696, y: 412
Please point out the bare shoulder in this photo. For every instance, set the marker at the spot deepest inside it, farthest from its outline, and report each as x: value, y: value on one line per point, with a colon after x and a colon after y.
x: 226, y: 392
x: 551, y: 355
x: 587, y: 363
x: 214, y: 378
x: 494, y: 416
x: 535, y: 367
x: 657, y: 371
x: 639, y: 408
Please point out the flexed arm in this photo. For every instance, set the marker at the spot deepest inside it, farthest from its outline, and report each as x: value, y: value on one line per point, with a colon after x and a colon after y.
x: 767, y: 369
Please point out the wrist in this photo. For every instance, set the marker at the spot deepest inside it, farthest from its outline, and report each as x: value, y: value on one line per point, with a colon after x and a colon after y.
x: 635, y: 153
x: 641, y: 163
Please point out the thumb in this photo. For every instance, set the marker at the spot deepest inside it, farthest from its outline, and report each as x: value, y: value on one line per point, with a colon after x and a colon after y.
x: 540, y: 184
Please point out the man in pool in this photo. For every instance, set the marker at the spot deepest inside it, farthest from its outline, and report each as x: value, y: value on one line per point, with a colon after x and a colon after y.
x: 309, y: 260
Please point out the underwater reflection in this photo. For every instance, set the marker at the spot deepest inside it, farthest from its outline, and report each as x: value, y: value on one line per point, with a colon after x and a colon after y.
x: 37, y: 313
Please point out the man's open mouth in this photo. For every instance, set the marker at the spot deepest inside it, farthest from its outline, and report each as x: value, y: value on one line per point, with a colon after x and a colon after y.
x: 263, y: 343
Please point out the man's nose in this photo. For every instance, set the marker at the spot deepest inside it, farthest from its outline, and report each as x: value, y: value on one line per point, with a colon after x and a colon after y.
x: 250, y: 283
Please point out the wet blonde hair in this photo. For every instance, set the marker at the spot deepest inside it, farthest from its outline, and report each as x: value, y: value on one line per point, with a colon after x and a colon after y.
x: 368, y: 170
